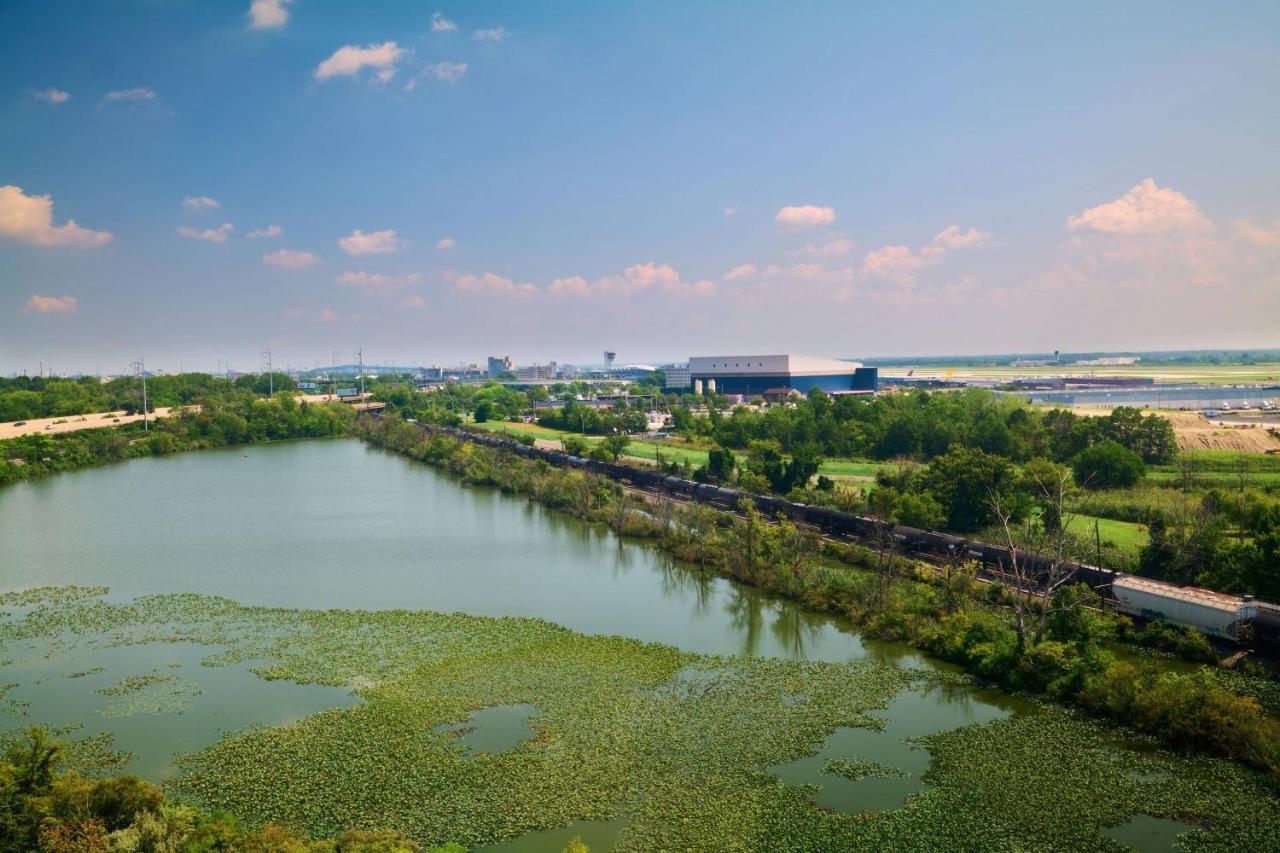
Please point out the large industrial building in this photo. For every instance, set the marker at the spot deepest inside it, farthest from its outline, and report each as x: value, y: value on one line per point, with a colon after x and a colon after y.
x: 757, y: 375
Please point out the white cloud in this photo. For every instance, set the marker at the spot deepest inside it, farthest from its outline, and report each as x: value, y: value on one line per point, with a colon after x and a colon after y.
x: 833, y: 248
x: 496, y: 34
x: 492, y: 284
x: 268, y: 14
x: 350, y: 59
x: 385, y: 75
x: 377, y: 279
x: 897, y: 264
x: 200, y: 202
x: 1259, y: 235
x: 137, y: 93
x: 740, y: 272
x: 52, y: 96
x: 373, y: 243
x: 804, y: 217
x: 290, y: 258
x: 1144, y: 210
x: 212, y: 235
x: 29, y: 219
x: 952, y: 237
x: 446, y: 244
x: 38, y: 304
x: 269, y: 232
x: 327, y: 315
x: 450, y: 72
x: 638, y: 278
x: 441, y: 24
x: 414, y: 302
x: 730, y: 211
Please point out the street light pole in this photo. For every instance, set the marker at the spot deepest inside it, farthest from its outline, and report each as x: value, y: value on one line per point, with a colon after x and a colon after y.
x: 271, y: 379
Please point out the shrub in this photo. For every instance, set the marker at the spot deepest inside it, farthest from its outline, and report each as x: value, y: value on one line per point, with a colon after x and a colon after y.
x: 1107, y: 465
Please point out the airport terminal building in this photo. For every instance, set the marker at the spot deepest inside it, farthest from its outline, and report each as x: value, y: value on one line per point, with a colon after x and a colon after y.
x: 756, y: 375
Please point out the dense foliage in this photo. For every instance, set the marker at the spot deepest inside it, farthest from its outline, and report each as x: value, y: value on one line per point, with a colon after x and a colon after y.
x: 234, y: 419
x: 24, y: 397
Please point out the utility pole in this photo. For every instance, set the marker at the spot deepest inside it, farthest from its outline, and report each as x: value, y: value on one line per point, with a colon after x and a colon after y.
x: 141, y: 367
x: 360, y: 353
x: 333, y: 379
x: 271, y: 379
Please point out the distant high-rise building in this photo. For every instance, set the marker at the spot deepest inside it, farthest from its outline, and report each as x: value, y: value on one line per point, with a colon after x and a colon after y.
x: 499, y: 366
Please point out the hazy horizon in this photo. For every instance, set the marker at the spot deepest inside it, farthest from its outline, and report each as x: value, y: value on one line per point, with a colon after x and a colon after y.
x: 194, y: 183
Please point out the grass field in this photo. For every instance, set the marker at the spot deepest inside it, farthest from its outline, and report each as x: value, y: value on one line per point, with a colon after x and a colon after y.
x: 1128, y: 537
x: 673, y: 451
x: 1223, y: 468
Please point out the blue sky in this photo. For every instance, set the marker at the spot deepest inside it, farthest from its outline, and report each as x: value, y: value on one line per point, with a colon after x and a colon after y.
x: 662, y: 179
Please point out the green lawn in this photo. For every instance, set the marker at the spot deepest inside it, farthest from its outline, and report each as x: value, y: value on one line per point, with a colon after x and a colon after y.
x: 1222, y: 468
x: 1127, y: 536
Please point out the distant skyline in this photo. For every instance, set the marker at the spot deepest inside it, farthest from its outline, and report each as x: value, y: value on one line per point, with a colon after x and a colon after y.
x: 195, y: 182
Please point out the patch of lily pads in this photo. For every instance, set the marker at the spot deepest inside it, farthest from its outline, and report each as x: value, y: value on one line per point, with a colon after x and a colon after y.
x: 674, y: 748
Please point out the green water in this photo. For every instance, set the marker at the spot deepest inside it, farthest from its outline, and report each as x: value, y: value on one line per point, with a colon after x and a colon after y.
x: 497, y: 728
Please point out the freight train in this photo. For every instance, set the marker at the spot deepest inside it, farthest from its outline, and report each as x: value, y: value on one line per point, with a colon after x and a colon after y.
x: 1241, y: 620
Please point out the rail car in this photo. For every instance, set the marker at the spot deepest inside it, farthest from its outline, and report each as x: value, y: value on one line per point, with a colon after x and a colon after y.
x: 1239, y: 619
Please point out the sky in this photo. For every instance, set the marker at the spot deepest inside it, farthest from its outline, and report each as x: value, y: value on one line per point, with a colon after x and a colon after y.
x: 197, y: 182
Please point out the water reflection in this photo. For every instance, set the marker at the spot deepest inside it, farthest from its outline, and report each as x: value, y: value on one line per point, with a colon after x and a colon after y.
x: 870, y: 770
x: 307, y: 512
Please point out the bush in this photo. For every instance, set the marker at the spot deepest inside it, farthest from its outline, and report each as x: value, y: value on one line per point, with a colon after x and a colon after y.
x: 1107, y: 465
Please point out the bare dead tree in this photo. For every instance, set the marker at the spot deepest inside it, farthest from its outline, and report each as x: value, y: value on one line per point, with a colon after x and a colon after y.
x: 1040, y: 560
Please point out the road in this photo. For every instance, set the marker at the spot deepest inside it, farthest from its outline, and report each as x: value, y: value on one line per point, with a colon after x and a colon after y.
x: 72, y: 423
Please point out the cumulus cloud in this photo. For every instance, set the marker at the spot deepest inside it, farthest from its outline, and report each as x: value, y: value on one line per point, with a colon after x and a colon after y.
x: 896, y: 264
x: 1259, y: 235
x: 327, y: 315
x: 268, y: 14
x: 441, y: 24
x: 492, y: 284
x: 952, y: 237
x: 290, y: 258
x: 833, y: 248
x: 497, y: 35
x: 51, y: 96
x: 212, y: 235
x: 37, y: 304
x: 740, y: 272
x: 350, y: 59
x: 373, y: 243
x: 137, y: 93
x: 377, y: 279
x: 804, y: 217
x: 200, y: 202
x: 414, y: 302
x: 1144, y: 210
x: 271, y: 231
x: 29, y: 219
x: 450, y: 72
x: 638, y: 278
x: 446, y: 244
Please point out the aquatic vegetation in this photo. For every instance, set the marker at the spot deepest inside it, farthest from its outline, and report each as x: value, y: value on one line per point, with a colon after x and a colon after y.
x: 670, y: 748
x: 134, y: 683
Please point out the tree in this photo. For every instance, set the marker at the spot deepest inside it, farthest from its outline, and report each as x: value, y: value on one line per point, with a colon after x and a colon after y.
x: 964, y: 480
x: 574, y: 445
x: 1039, y: 560
x: 614, y: 445
x: 720, y: 463
x: 1108, y: 465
